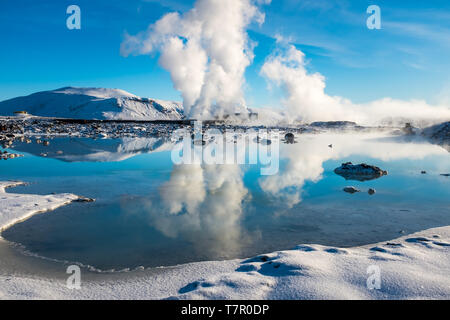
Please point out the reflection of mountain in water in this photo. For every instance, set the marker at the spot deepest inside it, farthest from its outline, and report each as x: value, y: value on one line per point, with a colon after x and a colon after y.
x: 91, y: 150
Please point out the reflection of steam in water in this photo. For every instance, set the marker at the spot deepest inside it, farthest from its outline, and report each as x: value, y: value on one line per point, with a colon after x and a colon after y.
x: 305, y: 159
x: 203, y: 204
x: 304, y: 163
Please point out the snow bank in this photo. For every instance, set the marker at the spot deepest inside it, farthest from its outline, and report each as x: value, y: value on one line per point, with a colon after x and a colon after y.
x: 93, y: 103
x: 18, y: 207
x: 411, y: 267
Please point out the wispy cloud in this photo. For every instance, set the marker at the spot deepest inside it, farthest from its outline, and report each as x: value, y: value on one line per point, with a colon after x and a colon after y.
x: 418, y: 30
x: 173, y: 5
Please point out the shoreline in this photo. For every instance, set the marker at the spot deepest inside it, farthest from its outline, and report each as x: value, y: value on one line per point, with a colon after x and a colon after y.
x: 16, y: 208
x: 412, y: 266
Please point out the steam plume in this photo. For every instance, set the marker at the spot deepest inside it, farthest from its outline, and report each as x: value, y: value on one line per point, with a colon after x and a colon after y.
x: 206, y: 50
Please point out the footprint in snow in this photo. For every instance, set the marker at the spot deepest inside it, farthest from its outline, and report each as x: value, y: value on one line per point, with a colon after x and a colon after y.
x: 383, y: 250
x: 379, y: 249
x: 195, y: 285
x: 442, y: 244
x: 263, y: 258
x: 418, y: 240
x: 247, y: 268
x: 393, y: 244
x: 305, y: 248
x: 275, y: 269
x: 426, y: 242
x: 335, y: 251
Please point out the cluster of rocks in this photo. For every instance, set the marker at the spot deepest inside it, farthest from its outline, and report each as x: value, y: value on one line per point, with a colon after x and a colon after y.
x: 5, y: 155
x: 359, y: 172
x: 352, y: 190
x: 87, y: 129
x: 44, y: 129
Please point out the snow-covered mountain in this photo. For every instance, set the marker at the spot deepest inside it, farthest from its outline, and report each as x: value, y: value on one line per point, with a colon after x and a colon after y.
x: 93, y: 103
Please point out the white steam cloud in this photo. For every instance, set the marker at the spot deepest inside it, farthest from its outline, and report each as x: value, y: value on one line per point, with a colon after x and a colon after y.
x: 306, y: 100
x: 206, y: 50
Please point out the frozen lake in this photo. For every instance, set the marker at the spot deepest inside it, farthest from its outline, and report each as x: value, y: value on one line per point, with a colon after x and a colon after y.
x: 149, y: 212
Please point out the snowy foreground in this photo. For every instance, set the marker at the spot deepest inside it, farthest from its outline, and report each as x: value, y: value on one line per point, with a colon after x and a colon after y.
x: 411, y: 267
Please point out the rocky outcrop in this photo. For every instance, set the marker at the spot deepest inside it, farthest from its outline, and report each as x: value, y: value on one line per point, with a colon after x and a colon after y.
x: 439, y: 134
x: 5, y: 155
x: 359, y: 172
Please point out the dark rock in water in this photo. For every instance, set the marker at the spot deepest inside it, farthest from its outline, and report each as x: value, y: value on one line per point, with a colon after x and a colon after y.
x: 445, y: 174
x: 84, y: 199
x: 371, y: 191
x: 289, y: 137
x: 351, y: 190
x: 359, y: 172
x: 423, y: 172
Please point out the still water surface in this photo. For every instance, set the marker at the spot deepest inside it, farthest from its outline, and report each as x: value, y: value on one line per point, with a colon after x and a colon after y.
x: 149, y: 212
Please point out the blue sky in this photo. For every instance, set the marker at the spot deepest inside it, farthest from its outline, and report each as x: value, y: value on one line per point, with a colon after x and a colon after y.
x: 408, y: 58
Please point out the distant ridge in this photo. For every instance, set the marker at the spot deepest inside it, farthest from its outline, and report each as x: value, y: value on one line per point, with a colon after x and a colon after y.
x: 93, y: 103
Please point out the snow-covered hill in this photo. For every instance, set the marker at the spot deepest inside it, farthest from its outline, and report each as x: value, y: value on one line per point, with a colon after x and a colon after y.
x: 93, y: 103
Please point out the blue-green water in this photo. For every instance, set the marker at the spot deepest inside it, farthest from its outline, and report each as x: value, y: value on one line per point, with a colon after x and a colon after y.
x: 149, y: 212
